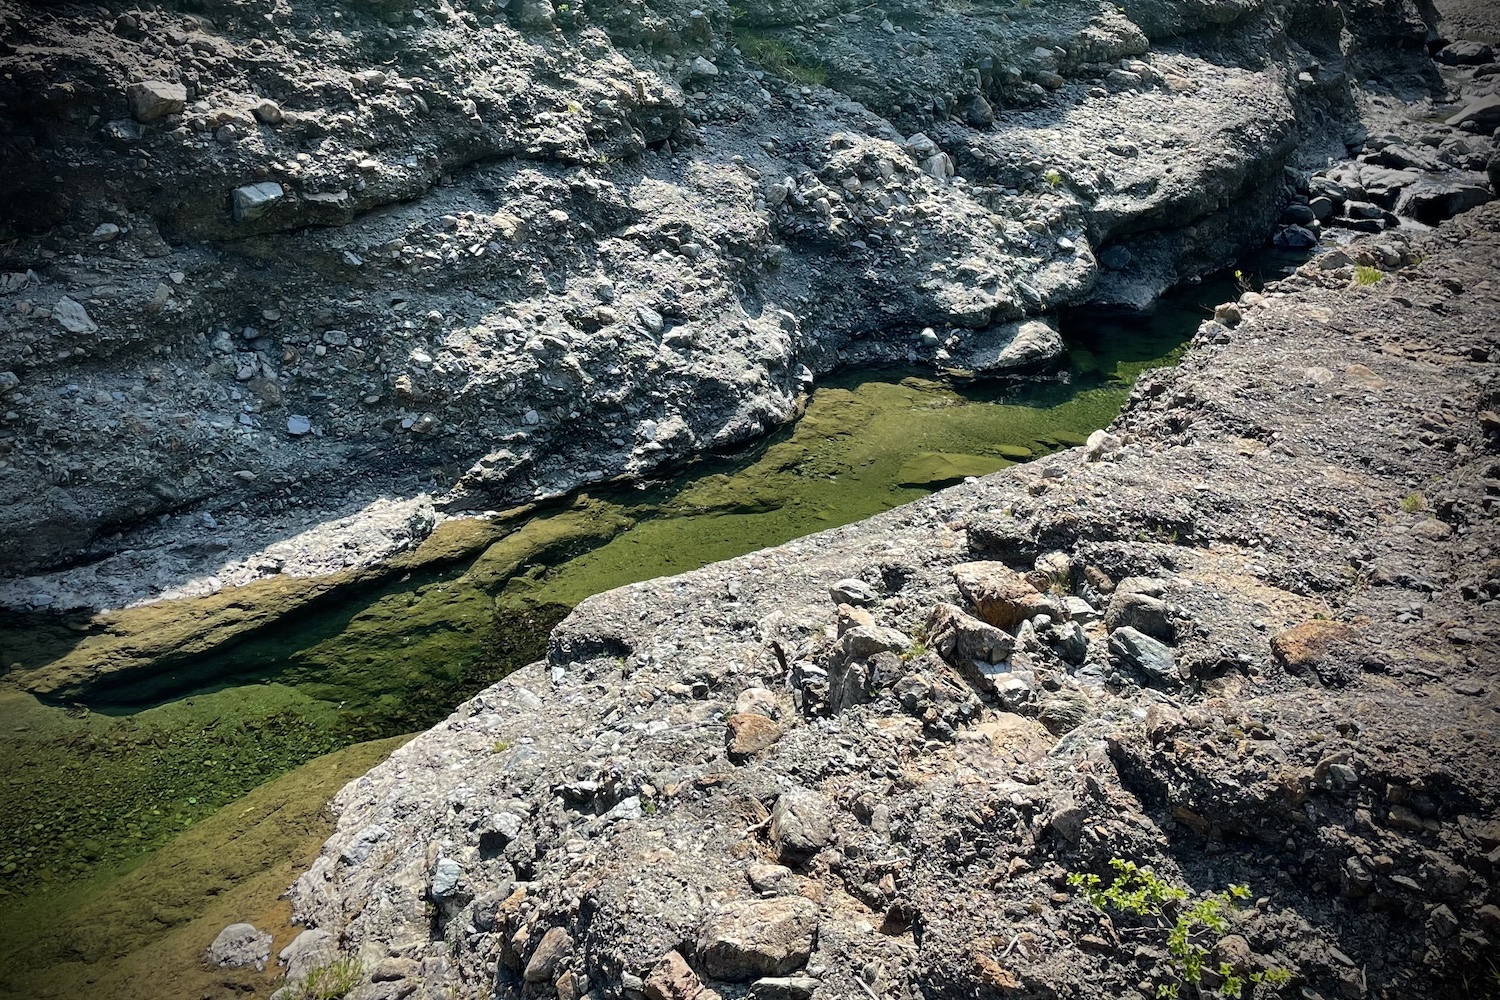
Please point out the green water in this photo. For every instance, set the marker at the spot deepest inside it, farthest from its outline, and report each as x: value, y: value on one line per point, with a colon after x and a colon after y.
x: 93, y: 787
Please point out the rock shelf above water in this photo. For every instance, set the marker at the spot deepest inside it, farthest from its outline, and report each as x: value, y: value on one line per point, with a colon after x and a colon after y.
x: 274, y: 262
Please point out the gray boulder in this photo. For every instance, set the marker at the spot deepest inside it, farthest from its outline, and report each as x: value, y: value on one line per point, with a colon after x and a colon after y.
x: 1141, y: 612
x: 1483, y: 115
x: 1434, y: 200
x: 1026, y: 344
x: 801, y: 825
x: 1152, y: 658
x: 1296, y: 238
x: 1466, y: 53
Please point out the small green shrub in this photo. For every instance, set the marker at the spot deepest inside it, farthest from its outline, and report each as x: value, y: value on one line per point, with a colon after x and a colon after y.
x: 1053, y: 176
x: 1485, y: 984
x: 1192, y: 927
x: 332, y: 980
x: 1366, y: 275
x: 1413, y: 502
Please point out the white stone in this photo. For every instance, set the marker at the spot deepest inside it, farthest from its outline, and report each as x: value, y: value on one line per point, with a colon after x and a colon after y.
x: 71, y: 316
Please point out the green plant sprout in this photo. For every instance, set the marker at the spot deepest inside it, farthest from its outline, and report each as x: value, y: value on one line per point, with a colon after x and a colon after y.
x: 333, y: 980
x: 1193, y: 928
x: 1366, y: 275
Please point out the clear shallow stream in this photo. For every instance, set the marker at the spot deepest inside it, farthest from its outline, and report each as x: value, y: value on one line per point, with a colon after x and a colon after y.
x: 88, y: 790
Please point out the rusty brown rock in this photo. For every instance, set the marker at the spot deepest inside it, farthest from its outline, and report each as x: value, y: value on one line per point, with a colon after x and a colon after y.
x: 1304, y: 646
x: 1001, y: 596
x: 749, y: 733
x: 673, y: 979
x: 747, y: 939
x: 556, y: 945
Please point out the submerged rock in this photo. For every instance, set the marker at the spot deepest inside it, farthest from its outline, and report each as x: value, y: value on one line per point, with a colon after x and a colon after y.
x: 240, y: 946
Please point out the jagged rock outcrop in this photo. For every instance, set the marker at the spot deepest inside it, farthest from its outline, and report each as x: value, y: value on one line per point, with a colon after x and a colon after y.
x: 257, y: 258
x: 1299, y: 519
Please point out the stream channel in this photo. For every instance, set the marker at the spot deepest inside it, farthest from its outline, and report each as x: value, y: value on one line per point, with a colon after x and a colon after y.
x: 92, y: 786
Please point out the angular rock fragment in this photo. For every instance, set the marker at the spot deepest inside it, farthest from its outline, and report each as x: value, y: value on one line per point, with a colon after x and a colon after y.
x: 446, y: 876
x: 863, y: 641
x: 254, y: 200
x: 73, y: 317
x: 748, y: 939
x: 672, y: 979
x: 1146, y: 654
x: 1001, y: 596
x: 960, y: 638
x: 749, y: 733
x: 853, y: 592
x: 152, y: 100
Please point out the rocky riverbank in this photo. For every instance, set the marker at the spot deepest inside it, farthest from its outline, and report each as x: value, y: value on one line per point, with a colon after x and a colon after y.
x: 269, y: 269
x: 305, y: 282
x: 1250, y: 635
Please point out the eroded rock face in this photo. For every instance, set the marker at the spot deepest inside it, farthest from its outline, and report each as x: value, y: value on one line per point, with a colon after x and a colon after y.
x: 538, y: 245
x: 1334, y: 668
